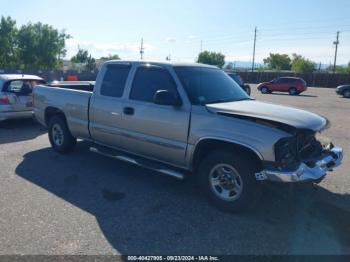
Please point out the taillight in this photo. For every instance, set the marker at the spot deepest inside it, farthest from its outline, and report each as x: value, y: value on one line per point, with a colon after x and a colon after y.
x: 4, y: 100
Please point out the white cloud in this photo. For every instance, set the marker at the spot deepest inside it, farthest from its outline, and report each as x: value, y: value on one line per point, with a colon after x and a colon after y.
x: 98, y: 49
x: 192, y: 37
x: 170, y: 39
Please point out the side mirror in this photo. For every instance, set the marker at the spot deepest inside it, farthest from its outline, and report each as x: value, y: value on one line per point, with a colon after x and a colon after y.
x: 167, y: 98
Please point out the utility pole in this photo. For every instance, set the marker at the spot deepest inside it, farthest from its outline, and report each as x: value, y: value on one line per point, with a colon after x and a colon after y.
x: 142, y: 50
x: 336, y: 43
x: 254, y: 49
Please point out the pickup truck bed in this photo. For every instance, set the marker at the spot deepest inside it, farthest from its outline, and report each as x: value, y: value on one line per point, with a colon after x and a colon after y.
x: 76, y: 102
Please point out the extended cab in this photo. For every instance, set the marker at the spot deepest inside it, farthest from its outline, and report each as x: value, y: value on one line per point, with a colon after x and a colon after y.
x: 180, y: 119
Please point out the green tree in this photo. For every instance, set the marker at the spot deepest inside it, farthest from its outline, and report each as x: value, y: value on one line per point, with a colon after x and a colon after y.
x: 81, y: 57
x: 8, y: 43
x: 90, y: 63
x: 211, y: 58
x: 339, y: 69
x: 110, y: 57
x: 41, y: 46
x: 278, y: 62
x: 230, y: 66
x: 302, y: 65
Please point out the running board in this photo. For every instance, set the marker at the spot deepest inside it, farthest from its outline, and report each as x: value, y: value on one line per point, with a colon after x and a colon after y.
x: 149, y: 164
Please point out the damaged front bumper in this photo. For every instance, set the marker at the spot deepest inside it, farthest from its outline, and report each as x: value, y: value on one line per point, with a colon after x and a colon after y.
x: 304, y: 172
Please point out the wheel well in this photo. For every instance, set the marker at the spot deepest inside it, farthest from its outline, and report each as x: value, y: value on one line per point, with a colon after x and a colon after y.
x: 209, y: 145
x: 53, y: 111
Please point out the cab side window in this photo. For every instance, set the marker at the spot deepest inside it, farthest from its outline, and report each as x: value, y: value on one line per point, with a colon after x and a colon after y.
x: 113, y: 83
x: 148, y: 80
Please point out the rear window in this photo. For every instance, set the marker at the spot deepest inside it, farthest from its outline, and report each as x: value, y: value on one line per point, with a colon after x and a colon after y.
x: 113, y: 83
x: 21, y: 87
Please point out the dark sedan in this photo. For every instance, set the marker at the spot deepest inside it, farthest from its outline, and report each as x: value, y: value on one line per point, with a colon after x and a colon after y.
x: 343, y: 90
x: 236, y: 77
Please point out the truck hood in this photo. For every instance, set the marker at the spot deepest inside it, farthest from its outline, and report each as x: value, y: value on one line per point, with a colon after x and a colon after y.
x: 297, y: 118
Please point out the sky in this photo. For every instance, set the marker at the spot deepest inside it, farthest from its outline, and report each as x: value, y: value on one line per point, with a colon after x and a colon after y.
x: 182, y: 28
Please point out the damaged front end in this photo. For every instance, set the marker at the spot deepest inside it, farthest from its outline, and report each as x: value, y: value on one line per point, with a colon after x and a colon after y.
x: 303, y: 157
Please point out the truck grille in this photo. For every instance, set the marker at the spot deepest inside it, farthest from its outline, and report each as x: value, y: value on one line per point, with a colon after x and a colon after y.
x: 308, y: 146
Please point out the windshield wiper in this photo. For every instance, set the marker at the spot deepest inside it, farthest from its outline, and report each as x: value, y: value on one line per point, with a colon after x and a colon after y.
x: 219, y: 101
x: 226, y: 101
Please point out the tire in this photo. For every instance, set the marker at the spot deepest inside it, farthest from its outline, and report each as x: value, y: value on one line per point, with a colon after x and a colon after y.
x: 247, y: 89
x: 293, y: 91
x: 222, y: 171
x: 346, y: 94
x: 60, y: 137
x: 264, y: 90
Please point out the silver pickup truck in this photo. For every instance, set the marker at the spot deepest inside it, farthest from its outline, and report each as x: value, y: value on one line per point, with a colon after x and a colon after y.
x: 181, y: 119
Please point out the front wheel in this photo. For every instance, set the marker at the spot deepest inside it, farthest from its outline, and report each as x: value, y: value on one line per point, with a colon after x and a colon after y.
x: 346, y: 93
x: 60, y: 137
x: 228, y: 179
x: 247, y: 89
x: 265, y: 90
x: 293, y: 91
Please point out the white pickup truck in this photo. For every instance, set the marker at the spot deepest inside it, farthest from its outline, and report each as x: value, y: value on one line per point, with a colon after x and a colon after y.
x: 181, y: 119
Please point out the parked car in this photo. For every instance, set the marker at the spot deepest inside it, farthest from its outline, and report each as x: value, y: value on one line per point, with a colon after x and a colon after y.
x: 343, y: 90
x: 292, y: 85
x: 16, y: 95
x: 240, y: 82
x: 182, y: 119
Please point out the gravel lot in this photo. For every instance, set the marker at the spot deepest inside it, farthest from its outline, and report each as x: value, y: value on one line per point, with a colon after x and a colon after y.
x: 88, y: 204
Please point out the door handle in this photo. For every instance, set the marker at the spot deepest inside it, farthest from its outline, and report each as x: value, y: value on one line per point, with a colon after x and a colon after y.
x: 129, y: 110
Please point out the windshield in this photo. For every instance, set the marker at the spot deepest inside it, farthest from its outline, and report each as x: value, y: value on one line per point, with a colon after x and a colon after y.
x: 209, y: 85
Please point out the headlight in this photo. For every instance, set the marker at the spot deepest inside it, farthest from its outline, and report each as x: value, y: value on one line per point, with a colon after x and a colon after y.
x: 285, y: 151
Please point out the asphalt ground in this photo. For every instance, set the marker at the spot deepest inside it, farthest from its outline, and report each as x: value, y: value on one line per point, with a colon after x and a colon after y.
x: 84, y: 203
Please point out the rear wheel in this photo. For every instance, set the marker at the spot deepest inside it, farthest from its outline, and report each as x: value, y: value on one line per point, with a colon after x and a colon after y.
x: 265, y: 90
x: 293, y: 91
x: 346, y: 93
x: 60, y: 137
x: 247, y: 89
x: 228, y: 179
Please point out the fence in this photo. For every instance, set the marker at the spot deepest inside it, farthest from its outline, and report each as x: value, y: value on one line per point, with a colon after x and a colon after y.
x: 319, y: 79
x: 56, y: 74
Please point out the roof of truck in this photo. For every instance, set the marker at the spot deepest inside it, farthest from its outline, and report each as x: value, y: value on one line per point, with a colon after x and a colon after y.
x: 19, y: 77
x: 175, y: 64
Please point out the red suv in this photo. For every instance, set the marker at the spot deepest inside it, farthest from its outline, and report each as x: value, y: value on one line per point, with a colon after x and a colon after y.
x: 292, y: 85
